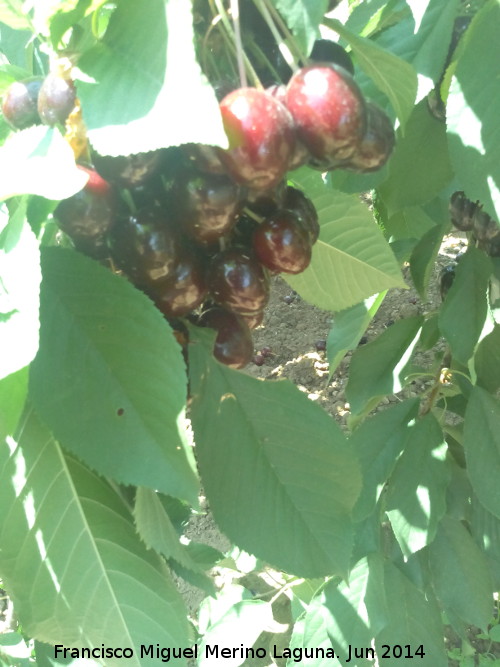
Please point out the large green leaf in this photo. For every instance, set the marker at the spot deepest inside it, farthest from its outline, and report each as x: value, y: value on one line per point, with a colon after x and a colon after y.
x: 378, y: 443
x: 482, y: 447
x: 423, y: 258
x: 39, y: 161
x: 413, y: 620
x: 465, y: 309
x: 471, y: 111
x: 460, y: 574
x: 487, y: 360
x: 109, y: 377
x: 379, y: 368
x: 13, y: 391
x: 416, y: 496
x: 485, y: 529
x: 70, y: 557
x: 351, y: 261
x: 279, y: 477
x: 20, y: 278
x: 391, y: 74
x: 348, y: 327
x: 13, y: 14
x: 422, y: 151
x: 146, y: 89
x: 347, y: 614
x: 303, y: 17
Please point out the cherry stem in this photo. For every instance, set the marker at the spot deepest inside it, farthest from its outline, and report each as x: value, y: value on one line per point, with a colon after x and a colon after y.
x: 290, y: 50
x: 231, y: 39
x: 235, y: 13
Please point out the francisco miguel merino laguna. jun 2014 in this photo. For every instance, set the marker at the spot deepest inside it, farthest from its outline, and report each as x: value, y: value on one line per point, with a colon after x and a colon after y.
x: 168, y: 653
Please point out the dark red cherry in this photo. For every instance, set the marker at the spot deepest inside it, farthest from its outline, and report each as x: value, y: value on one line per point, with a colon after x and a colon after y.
x: 128, y: 171
x: 56, y: 99
x: 233, y: 344
x: 206, y: 205
x: 328, y: 51
x: 295, y: 200
x: 329, y: 111
x: 184, y: 290
x: 19, y: 106
x: 462, y: 211
x: 87, y: 217
x: 237, y: 281
x: 377, y: 143
x: 261, y: 136
x: 144, y: 246
x: 204, y: 158
x: 282, y: 243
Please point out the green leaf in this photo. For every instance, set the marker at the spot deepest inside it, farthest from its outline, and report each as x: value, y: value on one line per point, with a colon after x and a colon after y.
x: 350, y: 614
x: 20, y: 278
x: 482, y: 447
x: 13, y: 391
x: 39, y: 161
x: 465, y: 309
x: 303, y: 17
x: 66, y: 16
x: 156, y: 530
x: 351, y: 261
x: 416, y: 496
x: 413, y: 620
x: 13, y: 13
x: 460, y: 574
x: 109, y: 377
x: 70, y: 558
x: 485, y: 529
x: 240, y: 626
x: 487, y: 361
x: 413, y: 155
x: 348, y: 328
x: 471, y: 111
x: 378, y: 443
x: 425, y: 46
x: 429, y: 335
x: 379, y: 367
x: 286, y: 478
x: 423, y: 258
x: 392, y: 75
x: 146, y: 65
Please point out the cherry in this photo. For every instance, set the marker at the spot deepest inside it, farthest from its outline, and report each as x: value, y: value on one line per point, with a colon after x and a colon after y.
x: 20, y: 102
x: 329, y: 111
x: 261, y: 136
x: 233, y: 344
x: 461, y: 211
x: 237, y: 281
x: 446, y: 280
x: 328, y: 51
x: 143, y: 245
x: 282, y: 244
x: 184, y: 289
x: 204, y: 158
x: 206, y: 205
x: 128, y: 171
x: 295, y: 200
x: 96, y: 183
x: 320, y: 345
x: 258, y: 359
x: 87, y: 217
x: 56, y: 99
x: 377, y: 143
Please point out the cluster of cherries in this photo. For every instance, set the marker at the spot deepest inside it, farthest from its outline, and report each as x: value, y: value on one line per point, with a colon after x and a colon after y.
x: 200, y: 229
x: 468, y: 216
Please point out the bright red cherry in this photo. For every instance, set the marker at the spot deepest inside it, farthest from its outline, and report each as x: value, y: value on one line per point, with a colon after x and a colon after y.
x: 329, y: 111
x: 261, y: 136
x: 282, y: 243
x: 237, y: 281
x: 233, y: 344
